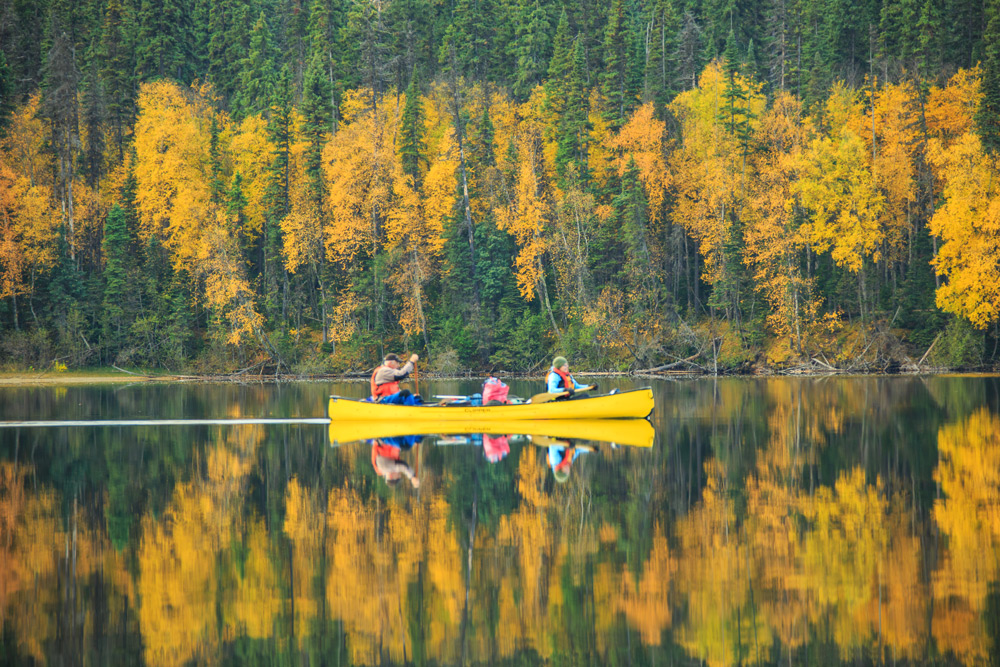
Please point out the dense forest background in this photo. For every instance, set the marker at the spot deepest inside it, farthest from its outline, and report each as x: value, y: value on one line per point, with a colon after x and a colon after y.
x: 219, y: 185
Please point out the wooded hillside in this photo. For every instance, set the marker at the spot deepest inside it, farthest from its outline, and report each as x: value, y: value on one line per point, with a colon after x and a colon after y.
x: 222, y: 184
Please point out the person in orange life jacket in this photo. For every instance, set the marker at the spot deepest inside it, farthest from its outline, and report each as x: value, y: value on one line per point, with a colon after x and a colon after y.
x: 385, y: 381
x: 385, y: 460
x: 559, y: 379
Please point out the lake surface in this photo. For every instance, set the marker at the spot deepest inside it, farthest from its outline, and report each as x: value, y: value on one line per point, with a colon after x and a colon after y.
x: 779, y: 520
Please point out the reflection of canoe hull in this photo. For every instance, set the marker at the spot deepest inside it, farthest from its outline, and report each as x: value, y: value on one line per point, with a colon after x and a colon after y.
x: 635, y: 432
x: 624, y: 405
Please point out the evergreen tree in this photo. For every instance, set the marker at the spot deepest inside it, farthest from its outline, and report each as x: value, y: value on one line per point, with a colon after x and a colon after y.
x: 162, y: 35
x: 6, y: 94
x: 411, y: 133
x: 228, y: 43
x: 574, y: 124
x: 317, y: 111
x: 658, y: 74
x: 93, y: 116
x: 116, y: 72
x: 277, y: 199
x: 560, y: 66
x: 531, y: 47
x: 117, y: 287
x: 930, y: 44
x: 988, y: 113
x: 615, y: 75
x: 631, y: 215
x: 215, y: 163
x: 370, y: 48
x: 60, y: 108
x: 257, y: 73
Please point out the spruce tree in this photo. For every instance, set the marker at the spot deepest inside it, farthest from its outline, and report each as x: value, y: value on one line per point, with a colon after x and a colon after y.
x: 257, y: 73
x: 6, y: 95
x: 162, y: 36
x: 615, y: 75
x: 988, y: 113
x: 317, y: 112
x: 574, y: 125
x: 411, y: 133
x: 117, y: 73
x: 531, y: 47
x: 117, y: 287
x: 93, y: 117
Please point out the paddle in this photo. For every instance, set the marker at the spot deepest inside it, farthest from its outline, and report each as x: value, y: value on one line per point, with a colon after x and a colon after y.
x: 546, y: 397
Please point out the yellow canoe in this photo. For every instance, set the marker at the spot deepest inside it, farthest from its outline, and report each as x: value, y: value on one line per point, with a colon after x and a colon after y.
x: 633, y: 432
x: 634, y: 404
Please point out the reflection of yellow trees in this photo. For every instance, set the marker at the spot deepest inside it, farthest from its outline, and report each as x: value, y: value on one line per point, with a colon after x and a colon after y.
x: 776, y: 562
x: 44, y: 565
x: 646, y: 603
x: 181, y: 564
x: 969, y: 515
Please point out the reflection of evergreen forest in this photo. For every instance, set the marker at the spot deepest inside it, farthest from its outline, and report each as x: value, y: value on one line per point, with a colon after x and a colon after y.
x: 793, y: 521
x: 301, y: 186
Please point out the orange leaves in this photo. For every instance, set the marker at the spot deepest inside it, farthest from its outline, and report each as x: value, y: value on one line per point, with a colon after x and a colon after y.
x: 641, y: 138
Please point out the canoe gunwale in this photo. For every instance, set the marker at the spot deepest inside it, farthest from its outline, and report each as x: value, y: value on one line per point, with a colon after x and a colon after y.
x: 632, y: 404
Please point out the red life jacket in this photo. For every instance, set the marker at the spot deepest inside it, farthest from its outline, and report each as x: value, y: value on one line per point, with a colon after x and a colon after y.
x: 567, y: 382
x: 567, y: 459
x: 387, y: 389
x: 385, y: 451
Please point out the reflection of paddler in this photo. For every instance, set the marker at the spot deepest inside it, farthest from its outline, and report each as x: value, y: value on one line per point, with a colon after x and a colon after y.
x: 387, y: 464
x: 561, y: 455
x: 495, y: 447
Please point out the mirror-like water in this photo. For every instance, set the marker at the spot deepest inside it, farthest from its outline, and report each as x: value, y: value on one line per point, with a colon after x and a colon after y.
x: 782, y: 520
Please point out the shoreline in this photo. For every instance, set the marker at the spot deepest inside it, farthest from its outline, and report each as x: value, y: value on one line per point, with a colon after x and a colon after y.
x: 15, y: 379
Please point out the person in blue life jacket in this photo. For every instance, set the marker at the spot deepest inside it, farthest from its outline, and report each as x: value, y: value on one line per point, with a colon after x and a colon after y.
x: 559, y: 379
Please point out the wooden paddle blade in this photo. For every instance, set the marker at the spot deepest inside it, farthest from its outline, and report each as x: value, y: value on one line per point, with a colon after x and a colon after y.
x: 546, y: 397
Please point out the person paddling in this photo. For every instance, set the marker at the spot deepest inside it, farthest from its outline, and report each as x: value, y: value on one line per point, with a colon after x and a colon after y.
x: 559, y: 379
x: 386, y: 378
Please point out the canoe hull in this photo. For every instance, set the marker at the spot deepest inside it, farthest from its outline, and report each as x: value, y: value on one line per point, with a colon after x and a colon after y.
x: 634, y: 404
x: 633, y: 432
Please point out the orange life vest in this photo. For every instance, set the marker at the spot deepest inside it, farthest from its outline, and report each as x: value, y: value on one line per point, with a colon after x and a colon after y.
x: 567, y: 459
x: 567, y: 382
x: 382, y: 390
x: 385, y: 451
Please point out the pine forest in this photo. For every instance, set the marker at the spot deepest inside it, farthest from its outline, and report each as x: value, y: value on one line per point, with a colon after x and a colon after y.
x: 300, y: 187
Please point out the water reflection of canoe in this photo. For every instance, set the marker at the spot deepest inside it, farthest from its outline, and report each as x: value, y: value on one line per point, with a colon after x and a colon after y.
x: 624, y: 405
x: 634, y: 432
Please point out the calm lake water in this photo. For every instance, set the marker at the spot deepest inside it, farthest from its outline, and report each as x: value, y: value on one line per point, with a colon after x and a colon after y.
x: 781, y: 520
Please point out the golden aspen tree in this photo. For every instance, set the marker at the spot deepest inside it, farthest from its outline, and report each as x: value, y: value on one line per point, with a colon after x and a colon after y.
x: 774, y: 238
x: 357, y: 168
x: 28, y: 231
x: 251, y: 150
x: 641, y: 139
x: 524, y: 215
x: 951, y: 109
x: 706, y: 166
x: 889, y: 128
x: 174, y: 198
x: 843, y: 202
x: 24, y: 146
x: 968, y: 224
